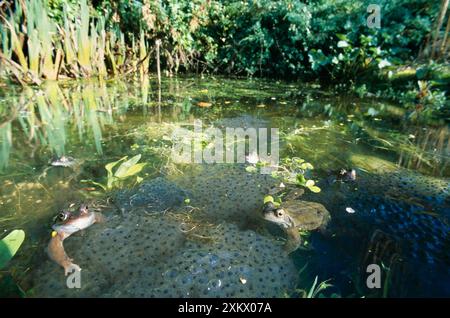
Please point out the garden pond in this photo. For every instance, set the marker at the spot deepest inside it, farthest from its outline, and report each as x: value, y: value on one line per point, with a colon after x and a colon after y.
x: 195, y: 230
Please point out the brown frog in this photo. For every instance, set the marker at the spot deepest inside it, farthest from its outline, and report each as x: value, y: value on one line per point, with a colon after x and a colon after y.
x: 67, y: 224
x: 294, y: 216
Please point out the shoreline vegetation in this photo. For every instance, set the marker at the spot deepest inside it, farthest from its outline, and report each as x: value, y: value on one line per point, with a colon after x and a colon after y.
x: 323, y: 41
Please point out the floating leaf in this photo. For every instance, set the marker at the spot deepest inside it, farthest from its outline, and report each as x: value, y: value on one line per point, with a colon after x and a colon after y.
x: 9, y: 246
x: 310, y: 183
x: 251, y: 169
x: 204, y: 104
x: 314, y: 189
x: 268, y: 198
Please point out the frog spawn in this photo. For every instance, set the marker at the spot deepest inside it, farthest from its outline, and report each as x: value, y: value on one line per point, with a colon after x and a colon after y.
x: 413, y: 208
x: 227, y: 192
x: 148, y: 256
x: 111, y: 252
x: 237, y: 264
x: 156, y: 195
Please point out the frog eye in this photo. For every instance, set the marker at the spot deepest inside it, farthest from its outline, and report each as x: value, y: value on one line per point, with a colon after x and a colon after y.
x: 62, y: 216
x: 279, y: 212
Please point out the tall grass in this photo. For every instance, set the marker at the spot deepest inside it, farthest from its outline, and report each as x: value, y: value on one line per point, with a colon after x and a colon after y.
x: 34, y: 47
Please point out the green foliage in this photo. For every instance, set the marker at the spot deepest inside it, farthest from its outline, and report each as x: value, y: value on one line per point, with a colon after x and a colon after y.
x: 316, y: 289
x: 276, y: 202
x: 326, y: 40
x: 43, y: 40
x: 352, y: 56
x: 9, y: 246
x: 293, y: 170
x: 127, y: 168
x: 261, y: 37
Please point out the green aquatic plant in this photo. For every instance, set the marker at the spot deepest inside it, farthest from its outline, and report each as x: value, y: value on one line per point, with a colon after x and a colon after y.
x: 276, y: 202
x: 293, y: 170
x: 9, y: 246
x: 316, y: 289
x: 127, y: 168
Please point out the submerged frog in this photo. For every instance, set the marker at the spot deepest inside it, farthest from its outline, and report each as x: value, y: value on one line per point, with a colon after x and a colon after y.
x: 68, y: 223
x: 294, y: 216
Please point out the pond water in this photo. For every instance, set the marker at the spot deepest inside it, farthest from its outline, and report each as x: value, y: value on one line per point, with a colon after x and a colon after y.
x: 204, y: 237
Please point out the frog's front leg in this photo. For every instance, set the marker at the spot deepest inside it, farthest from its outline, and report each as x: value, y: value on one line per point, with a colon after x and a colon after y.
x: 99, y: 218
x: 294, y: 240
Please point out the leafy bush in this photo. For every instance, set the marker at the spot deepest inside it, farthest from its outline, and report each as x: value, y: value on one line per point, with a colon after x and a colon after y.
x: 325, y: 39
x: 262, y: 37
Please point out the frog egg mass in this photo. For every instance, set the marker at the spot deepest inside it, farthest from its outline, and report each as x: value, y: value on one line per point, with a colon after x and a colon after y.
x: 156, y: 243
x: 144, y: 256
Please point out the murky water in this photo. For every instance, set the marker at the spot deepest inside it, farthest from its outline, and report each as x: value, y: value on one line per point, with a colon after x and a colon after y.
x: 211, y: 242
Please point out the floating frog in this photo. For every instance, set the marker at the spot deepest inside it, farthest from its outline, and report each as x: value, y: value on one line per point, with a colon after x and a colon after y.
x: 294, y: 216
x: 63, y: 161
x: 67, y: 224
x: 74, y: 165
x: 342, y: 175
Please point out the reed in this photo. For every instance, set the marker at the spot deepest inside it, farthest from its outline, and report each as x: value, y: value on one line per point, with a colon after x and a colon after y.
x: 35, y: 48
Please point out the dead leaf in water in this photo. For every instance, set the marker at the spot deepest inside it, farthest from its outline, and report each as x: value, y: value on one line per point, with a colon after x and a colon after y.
x: 88, y: 189
x: 204, y: 104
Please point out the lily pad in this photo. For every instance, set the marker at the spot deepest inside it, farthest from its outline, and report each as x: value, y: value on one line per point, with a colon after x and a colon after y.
x: 314, y: 189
